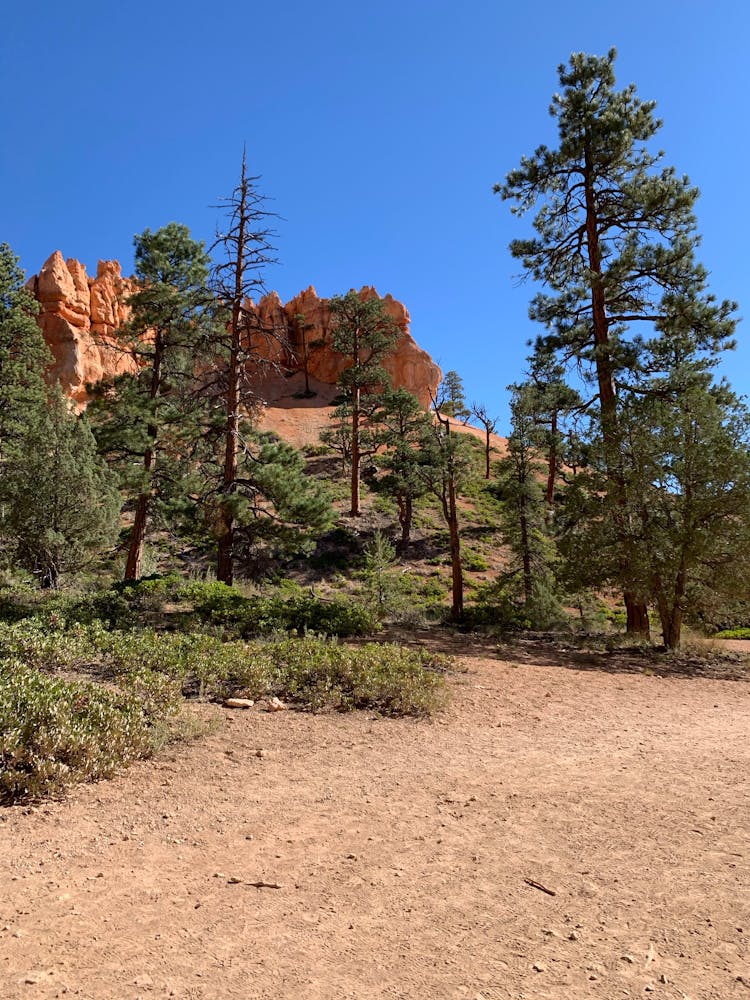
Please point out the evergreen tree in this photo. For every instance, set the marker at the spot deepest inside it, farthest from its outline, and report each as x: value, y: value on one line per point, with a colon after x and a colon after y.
x: 276, y: 508
x: 23, y: 355
x: 445, y: 465
x: 550, y: 402
x: 524, y: 523
x: 615, y: 243
x: 402, y: 427
x: 247, y: 251
x: 687, y: 472
x: 365, y: 333
x: 454, y: 397
x: 61, y: 504
x: 147, y: 423
x: 479, y: 412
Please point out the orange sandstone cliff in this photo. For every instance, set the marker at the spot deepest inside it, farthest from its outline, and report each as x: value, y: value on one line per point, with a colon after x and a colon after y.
x: 79, y: 317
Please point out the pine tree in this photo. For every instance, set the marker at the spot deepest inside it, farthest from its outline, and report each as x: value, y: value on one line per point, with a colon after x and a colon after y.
x: 550, y: 402
x: 480, y: 412
x: 61, y: 504
x: 445, y: 465
x: 454, y: 397
x: 402, y: 425
x: 147, y: 422
x: 687, y: 470
x: 23, y: 355
x: 615, y: 243
x: 363, y: 331
x: 524, y: 523
x: 247, y: 251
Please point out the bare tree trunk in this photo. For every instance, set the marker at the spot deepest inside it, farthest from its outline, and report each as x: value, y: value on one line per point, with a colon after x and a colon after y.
x: 635, y: 606
x: 405, y: 516
x: 225, y: 560
x: 457, y: 578
x: 355, y: 511
x: 138, y: 532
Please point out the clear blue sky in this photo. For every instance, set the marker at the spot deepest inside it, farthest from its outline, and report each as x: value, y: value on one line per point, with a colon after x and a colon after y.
x: 378, y: 128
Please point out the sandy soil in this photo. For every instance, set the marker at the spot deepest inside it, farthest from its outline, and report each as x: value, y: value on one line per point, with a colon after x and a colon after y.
x: 401, y: 851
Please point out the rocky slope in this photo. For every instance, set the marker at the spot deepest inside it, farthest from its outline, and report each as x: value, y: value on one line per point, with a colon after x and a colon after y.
x: 79, y: 316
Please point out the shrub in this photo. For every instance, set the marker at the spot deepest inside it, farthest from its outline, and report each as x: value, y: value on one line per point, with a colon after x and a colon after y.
x: 733, y: 633
x: 54, y: 732
x: 248, y: 617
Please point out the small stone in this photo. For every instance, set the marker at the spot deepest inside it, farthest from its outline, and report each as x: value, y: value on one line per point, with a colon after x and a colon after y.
x: 572, y: 936
x: 275, y: 705
x: 239, y: 703
x: 628, y: 958
x: 233, y: 880
x: 663, y: 978
x: 539, y: 967
x: 261, y: 753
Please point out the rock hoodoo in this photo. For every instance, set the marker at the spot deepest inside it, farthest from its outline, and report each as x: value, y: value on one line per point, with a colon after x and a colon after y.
x: 79, y: 317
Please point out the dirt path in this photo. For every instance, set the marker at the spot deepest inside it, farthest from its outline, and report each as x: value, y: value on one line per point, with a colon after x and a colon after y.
x: 401, y: 850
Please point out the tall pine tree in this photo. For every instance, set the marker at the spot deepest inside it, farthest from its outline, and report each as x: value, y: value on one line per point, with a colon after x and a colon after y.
x: 147, y: 423
x: 614, y: 246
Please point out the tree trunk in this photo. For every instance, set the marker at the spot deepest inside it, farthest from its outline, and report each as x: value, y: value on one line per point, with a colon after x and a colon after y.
x: 138, y: 531
x: 671, y: 614
x: 405, y: 515
x: 225, y: 555
x: 528, y: 589
x: 486, y: 453
x: 552, y: 464
x: 457, y: 578
x: 637, y: 611
x: 354, y: 512
x: 137, y: 539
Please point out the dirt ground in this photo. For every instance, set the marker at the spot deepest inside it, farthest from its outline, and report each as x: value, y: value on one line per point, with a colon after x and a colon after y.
x: 401, y: 851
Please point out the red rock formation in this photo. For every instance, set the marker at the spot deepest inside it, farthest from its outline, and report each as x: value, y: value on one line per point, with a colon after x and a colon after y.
x: 80, y: 316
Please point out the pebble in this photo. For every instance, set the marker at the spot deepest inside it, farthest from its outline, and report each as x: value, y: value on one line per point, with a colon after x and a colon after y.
x: 275, y: 705
x: 239, y: 703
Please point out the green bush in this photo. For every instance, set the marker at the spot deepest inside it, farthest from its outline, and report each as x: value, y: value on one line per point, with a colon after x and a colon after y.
x: 55, y: 732
x: 733, y: 633
x: 218, y: 604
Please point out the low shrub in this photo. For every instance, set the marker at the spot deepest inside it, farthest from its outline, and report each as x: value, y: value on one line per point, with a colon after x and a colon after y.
x: 248, y: 617
x: 733, y: 633
x: 55, y: 732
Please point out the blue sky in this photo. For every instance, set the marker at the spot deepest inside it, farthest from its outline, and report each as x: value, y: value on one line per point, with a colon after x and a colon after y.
x: 378, y: 129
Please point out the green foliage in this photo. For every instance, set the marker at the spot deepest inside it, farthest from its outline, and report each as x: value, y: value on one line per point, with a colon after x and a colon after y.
x: 453, y: 397
x: 61, y: 503
x: 733, y: 633
x: 530, y: 578
x: 23, y: 355
x: 402, y: 425
x: 55, y: 732
x: 219, y: 604
x: 277, y: 509
x: 377, y: 574
x: 615, y: 251
x: 149, y: 423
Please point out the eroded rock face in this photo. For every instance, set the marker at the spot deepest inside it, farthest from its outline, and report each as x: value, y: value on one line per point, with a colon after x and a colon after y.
x: 80, y: 316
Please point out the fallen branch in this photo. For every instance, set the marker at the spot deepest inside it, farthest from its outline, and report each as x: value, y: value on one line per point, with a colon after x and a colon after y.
x: 539, y: 886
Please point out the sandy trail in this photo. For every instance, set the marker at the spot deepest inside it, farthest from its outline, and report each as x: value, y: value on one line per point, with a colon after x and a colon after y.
x: 401, y: 850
